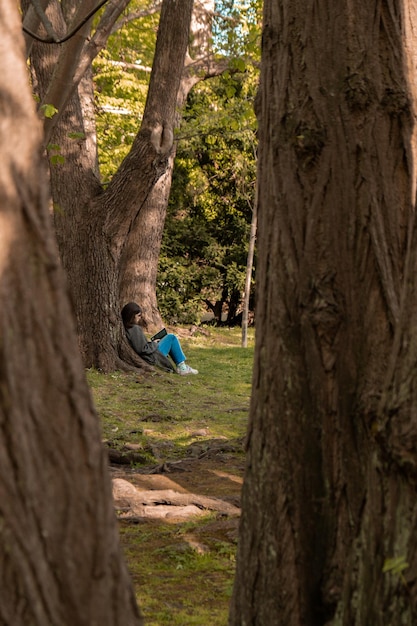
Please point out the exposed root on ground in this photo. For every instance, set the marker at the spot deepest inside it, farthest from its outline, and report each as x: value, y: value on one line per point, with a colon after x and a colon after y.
x: 135, y: 503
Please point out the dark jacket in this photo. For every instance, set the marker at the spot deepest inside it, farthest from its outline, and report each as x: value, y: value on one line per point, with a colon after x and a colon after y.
x: 147, y: 350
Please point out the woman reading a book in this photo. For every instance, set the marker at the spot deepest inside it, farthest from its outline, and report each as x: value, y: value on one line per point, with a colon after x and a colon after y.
x: 150, y: 351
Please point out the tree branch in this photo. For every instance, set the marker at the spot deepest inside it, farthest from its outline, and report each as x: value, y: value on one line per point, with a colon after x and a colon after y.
x: 130, y: 66
x: 39, y: 10
x: 52, y: 36
x: 74, y: 59
x: 31, y: 22
x: 135, y: 15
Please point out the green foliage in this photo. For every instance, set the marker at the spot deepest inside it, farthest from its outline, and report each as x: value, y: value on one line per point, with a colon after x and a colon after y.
x: 76, y: 135
x: 204, y: 250
x: 236, y: 29
x: 54, y: 154
x: 122, y: 74
x: 180, y: 290
x: 49, y: 110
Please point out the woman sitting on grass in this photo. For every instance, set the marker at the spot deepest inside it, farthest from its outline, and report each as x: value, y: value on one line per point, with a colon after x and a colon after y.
x: 150, y: 350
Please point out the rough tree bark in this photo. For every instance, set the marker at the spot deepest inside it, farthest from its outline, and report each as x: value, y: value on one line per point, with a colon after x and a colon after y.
x: 139, y: 264
x: 329, y: 494
x: 72, y: 59
x: 60, y: 559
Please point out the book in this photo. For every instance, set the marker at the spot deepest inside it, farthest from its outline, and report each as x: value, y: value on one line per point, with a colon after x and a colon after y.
x: 159, y: 335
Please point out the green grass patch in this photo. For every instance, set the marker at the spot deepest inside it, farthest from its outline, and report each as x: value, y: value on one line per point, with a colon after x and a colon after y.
x: 183, y: 571
x: 170, y: 408
x: 178, y: 581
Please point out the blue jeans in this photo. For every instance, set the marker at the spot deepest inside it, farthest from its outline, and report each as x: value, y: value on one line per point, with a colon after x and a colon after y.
x: 170, y: 346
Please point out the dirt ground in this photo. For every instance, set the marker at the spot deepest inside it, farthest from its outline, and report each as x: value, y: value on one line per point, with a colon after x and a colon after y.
x: 160, y: 534
x: 215, y: 477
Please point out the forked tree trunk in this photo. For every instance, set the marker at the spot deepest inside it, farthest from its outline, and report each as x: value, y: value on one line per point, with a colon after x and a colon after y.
x: 102, y: 279
x: 329, y: 494
x: 140, y: 259
x: 92, y: 224
x: 61, y: 562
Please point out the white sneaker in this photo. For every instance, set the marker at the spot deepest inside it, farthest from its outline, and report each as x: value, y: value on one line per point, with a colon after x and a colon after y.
x: 184, y: 370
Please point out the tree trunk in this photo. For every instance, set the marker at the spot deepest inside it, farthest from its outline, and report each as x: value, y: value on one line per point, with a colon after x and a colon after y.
x: 329, y: 491
x: 139, y: 267
x: 61, y: 562
x: 249, y: 269
x: 139, y: 264
x: 100, y: 286
x: 92, y: 225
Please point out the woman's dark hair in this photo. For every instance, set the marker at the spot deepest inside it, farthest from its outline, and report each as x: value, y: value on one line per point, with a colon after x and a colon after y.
x: 128, y: 313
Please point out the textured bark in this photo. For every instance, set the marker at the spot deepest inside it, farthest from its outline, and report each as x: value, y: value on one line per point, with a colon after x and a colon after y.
x: 93, y: 227
x: 60, y: 86
x: 60, y: 559
x: 139, y: 266
x: 329, y: 491
x: 72, y: 59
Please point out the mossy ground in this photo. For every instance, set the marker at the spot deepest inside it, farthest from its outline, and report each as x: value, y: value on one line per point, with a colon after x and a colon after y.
x: 183, y: 570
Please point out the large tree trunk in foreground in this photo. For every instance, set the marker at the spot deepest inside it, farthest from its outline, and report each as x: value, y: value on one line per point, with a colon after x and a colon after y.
x: 60, y: 557
x: 329, y: 495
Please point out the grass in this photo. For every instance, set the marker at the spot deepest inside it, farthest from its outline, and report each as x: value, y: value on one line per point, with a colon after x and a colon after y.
x: 179, y: 583
x: 183, y: 571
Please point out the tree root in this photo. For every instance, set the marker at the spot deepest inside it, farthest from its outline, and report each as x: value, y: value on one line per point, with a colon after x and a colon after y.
x: 134, y: 503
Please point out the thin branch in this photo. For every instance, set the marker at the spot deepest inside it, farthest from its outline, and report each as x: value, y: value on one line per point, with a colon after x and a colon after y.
x: 44, y: 20
x: 86, y: 52
x: 53, y: 38
x: 135, y: 15
x: 130, y: 66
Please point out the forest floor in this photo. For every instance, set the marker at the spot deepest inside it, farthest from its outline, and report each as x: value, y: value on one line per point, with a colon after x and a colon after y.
x: 176, y: 449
